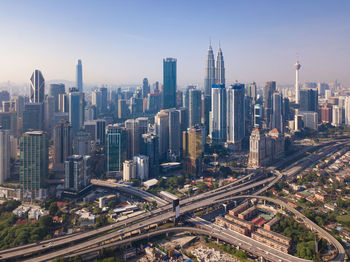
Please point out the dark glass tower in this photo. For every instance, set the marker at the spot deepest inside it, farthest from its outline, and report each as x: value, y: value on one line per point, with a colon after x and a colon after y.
x: 169, y: 83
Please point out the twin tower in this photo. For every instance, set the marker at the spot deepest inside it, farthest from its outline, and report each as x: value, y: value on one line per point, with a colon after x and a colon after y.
x: 214, y: 72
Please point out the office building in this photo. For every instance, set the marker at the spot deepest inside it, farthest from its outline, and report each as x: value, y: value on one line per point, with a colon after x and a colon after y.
x: 63, y: 103
x: 235, y: 115
x: 134, y: 136
x: 37, y: 87
x: 63, y: 142
x: 8, y: 121
x: 5, y: 153
x: 257, y: 116
x: 146, y: 89
x: 97, y: 130
x: 4, y: 96
x: 169, y: 83
x: 321, y: 88
x: 269, y: 89
x: 77, y: 173
x: 218, y: 113
x: 308, y: 100
x: 82, y: 143
x: 193, y: 150
x: 326, y: 114
x: 116, y: 148
x: 161, y: 121
x: 337, y: 115
x: 76, y: 109
x: 150, y: 148
x: 194, y: 107
x: 277, y: 117
x: 129, y: 170
x: 79, y: 76
x: 153, y: 103
x: 123, y: 111
x: 49, y: 111
x: 55, y: 90
x: 142, y: 167
x: 310, y: 119
x: 209, y: 79
x: 33, y: 164
x: 174, y: 135
x: 33, y: 117
x: 251, y: 92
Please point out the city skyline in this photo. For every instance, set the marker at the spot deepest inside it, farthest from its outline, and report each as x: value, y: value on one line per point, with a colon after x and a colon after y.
x: 259, y: 42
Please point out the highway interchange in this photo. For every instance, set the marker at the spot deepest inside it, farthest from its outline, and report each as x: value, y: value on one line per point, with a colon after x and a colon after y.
x: 62, y: 246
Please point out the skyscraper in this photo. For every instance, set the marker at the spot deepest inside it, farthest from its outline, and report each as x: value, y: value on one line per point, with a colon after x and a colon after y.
x: 209, y: 79
x: 79, y: 76
x: 218, y: 113
x: 37, y: 87
x: 142, y: 167
x: 33, y: 117
x: 133, y: 130
x: 34, y: 164
x: 161, y: 122
x: 150, y: 148
x: 77, y: 172
x: 194, y: 109
x: 277, y: 120
x: 76, y: 109
x: 145, y: 88
x: 4, y: 154
x: 55, y: 90
x: 169, y: 83
x: 269, y: 89
x: 174, y: 135
x: 193, y: 149
x: 308, y: 100
x: 220, y: 69
x: 62, y: 141
x: 116, y: 146
x: 235, y: 114
x: 297, y: 93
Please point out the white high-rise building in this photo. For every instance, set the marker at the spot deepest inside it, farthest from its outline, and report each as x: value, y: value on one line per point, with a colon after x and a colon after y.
x: 5, y: 149
x: 347, y: 110
x: 218, y: 113
x: 297, y: 91
x: 142, y: 167
x: 337, y: 115
x: 129, y: 170
x: 235, y: 114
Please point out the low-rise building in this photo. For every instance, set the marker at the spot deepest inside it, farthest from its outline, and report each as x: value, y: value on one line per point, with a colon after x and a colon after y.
x: 238, y: 221
x: 250, y: 212
x: 239, y: 209
x: 229, y: 224
x: 275, y: 236
x: 270, y: 242
x: 272, y: 222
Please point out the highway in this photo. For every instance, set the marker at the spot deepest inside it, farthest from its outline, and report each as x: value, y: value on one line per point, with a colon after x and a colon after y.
x: 130, y: 190
x: 163, y: 213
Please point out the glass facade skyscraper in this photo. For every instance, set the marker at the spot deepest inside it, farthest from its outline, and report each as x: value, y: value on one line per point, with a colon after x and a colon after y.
x: 116, y: 148
x: 37, y: 87
x: 79, y: 76
x: 169, y: 83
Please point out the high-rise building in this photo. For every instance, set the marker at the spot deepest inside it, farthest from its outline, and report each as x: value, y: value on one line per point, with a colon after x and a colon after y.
x: 297, y: 93
x: 5, y: 152
x: 193, y: 150
x: 257, y: 116
x: 183, y: 118
x: 169, y: 83
x: 309, y: 118
x: 33, y: 164
x: 123, y: 111
x: 82, y: 143
x: 194, y: 108
x: 79, y: 76
x: 33, y: 117
x: 37, y: 87
x: 321, y: 88
x: 8, y: 121
x: 251, y: 92
x: 104, y: 99
x: 62, y: 141
x: 326, y: 114
x: 116, y: 148
x: 4, y: 96
x: 337, y: 115
x: 209, y: 78
x: 97, y: 130
x: 161, y: 121
x: 77, y: 173
x: 142, y: 167
x: 308, y: 100
x: 134, y: 136
x: 146, y: 89
x: 49, y: 111
x: 55, y: 90
x: 150, y: 148
x: 277, y: 119
x: 186, y: 97
x: 96, y: 100
x: 153, y: 103
x: 174, y: 135
x: 220, y: 68
x: 76, y: 109
x: 218, y: 113
x: 269, y: 89
x: 235, y: 115
x: 129, y: 170
x: 63, y: 103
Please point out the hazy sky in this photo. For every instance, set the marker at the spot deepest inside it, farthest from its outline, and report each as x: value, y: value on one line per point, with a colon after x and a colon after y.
x: 124, y: 41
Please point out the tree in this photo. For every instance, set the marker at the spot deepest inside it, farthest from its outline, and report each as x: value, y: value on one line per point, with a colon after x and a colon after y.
x: 53, y: 209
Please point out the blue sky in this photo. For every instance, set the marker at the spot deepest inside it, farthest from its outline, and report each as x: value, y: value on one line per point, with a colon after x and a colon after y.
x: 122, y: 42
